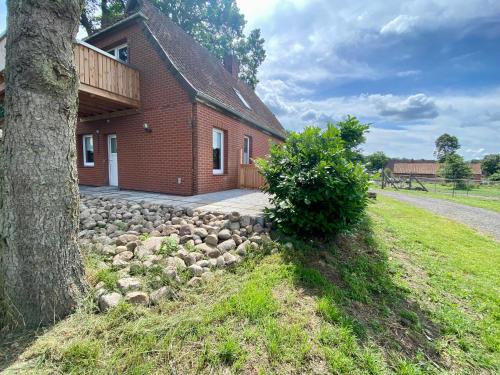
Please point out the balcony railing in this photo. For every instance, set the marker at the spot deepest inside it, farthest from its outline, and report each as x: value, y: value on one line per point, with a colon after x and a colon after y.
x: 107, y: 85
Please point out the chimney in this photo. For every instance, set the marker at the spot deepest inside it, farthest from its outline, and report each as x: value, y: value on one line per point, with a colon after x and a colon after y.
x: 232, y: 65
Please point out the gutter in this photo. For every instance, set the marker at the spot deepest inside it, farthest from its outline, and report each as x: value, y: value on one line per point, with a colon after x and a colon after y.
x: 122, y: 22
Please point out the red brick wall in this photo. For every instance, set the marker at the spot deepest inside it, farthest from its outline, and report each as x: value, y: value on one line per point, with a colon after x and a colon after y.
x: 146, y: 161
x: 154, y: 161
x: 207, y: 119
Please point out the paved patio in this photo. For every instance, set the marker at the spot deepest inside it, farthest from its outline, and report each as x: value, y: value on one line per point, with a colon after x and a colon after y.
x: 246, y: 202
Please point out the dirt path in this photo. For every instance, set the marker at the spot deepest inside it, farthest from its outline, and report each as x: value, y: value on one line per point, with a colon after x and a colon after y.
x: 482, y: 220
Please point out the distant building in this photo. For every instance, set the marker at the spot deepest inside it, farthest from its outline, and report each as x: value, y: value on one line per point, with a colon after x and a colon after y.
x: 424, y: 168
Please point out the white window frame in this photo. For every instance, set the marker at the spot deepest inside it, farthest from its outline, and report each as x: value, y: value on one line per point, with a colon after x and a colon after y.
x: 246, y: 158
x: 114, y: 51
x: 85, y: 162
x: 221, y: 170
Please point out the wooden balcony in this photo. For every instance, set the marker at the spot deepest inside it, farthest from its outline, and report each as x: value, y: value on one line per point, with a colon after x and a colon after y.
x: 108, y: 87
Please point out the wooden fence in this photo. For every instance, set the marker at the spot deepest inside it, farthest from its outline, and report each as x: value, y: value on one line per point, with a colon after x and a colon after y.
x: 250, y: 178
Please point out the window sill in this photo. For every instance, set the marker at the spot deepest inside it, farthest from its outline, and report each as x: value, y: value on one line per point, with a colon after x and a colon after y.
x: 217, y: 173
x: 88, y: 166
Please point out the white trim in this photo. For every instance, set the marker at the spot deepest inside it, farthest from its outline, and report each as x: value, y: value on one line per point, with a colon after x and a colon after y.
x: 85, y: 162
x: 246, y: 158
x: 221, y: 169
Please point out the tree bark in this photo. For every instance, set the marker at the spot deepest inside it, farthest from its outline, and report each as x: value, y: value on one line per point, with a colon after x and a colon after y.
x: 41, y: 273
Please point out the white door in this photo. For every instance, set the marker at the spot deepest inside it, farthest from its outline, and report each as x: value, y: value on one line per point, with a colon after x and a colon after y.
x: 112, y: 160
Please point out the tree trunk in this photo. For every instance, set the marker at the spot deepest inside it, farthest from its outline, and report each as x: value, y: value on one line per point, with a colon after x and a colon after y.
x: 40, y: 264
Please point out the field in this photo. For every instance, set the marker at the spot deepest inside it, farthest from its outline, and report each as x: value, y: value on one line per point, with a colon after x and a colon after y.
x: 409, y: 293
x: 487, y: 197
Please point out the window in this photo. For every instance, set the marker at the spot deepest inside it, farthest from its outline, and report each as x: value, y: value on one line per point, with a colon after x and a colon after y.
x: 120, y: 52
x: 88, y: 151
x: 218, y: 151
x: 246, y: 150
x: 242, y: 99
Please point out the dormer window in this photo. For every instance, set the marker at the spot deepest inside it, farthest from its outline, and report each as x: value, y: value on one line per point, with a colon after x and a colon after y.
x: 120, y: 52
x: 242, y: 99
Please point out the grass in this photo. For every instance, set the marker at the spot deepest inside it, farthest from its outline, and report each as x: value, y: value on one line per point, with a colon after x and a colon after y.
x: 487, y: 202
x: 409, y: 293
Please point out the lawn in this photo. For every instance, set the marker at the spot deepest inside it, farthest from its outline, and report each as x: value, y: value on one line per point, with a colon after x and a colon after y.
x: 488, y: 202
x: 409, y: 293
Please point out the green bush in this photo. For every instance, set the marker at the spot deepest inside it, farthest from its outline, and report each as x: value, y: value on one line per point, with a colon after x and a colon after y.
x: 315, y: 187
x: 494, y: 177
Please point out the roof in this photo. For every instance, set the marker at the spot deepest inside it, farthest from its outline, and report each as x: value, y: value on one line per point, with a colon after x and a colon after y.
x: 202, y: 72
x: 428, y: 168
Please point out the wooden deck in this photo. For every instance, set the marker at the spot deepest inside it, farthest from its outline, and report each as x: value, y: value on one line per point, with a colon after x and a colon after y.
x: 108, y: 87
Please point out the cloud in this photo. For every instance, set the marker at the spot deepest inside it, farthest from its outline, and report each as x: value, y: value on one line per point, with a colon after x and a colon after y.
x: 400, y: 25
x: 415, y: 107
x: 409, y: 73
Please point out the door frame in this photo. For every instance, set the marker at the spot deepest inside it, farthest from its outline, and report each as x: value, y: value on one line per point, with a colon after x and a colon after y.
x: 110, y: 136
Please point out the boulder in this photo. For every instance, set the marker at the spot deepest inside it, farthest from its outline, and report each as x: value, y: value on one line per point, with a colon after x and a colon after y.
x: 195, y: 281
x: 245, y: 221
x: 195, y: 270
x: 234, y: 217
x: 137, y: 298
x: 211, y: 239
x: 108, y: 301
x: 124, y: 255
x: 200, y: 232
x: 164, y: 293
x: 227, y: 246
x: 128, y: 284
x: 224, y: 234
x: 186, y: 230
x: 229, y: 259
x: 176, y: 263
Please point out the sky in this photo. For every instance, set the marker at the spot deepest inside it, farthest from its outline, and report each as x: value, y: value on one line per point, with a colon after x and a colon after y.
x: 412, y: 69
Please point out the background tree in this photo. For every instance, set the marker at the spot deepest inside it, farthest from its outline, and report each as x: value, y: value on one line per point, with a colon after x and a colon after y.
x: 491, y: 164
x: 352, y: 132
x: 41, y: 274
x: 376, y: 161
x: 455, y: 168
x: 446, y: 145
x: 218, y: 25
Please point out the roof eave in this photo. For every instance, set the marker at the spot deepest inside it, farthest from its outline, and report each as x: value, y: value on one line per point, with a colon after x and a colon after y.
x: 117, y: 25
x: 206, y: 98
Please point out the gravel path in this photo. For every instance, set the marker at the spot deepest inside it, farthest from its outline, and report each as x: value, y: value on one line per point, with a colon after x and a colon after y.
x: 482, y: 220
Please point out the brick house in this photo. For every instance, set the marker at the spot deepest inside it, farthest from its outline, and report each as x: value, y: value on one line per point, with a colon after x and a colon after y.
x: 157, y: 112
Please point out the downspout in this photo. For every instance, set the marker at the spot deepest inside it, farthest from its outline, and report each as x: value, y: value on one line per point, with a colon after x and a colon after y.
x: 194, y: 126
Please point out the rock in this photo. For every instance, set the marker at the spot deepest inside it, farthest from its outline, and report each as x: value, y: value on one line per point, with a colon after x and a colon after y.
x: 237, y: 239
x: 158, y: 295
x: 195, y: 270
x: 186, y: 230
x: 234, y: 217
x: 200, y: 232
x: 224, y: 234
x: 257, y: 239
x: 120, y: 249
x: 245, y: 220
x: 149, y: 246
x: 234, y: 226
x: 194, y: 281
x: 128, y: 284
x: 242, y: 249
x: 119, y: 263
x: 176, y: 220
x: 131, y: 246
x: 207, y: 276
x: 203, y: 263
x: 249, y: 229
x: 125, y: 256
x: 171, y: 273
x: 257, y: 228
x: 137, y: 298
x: 229, y: 259
x: 108, y: 301
x: 211, y: 240
x: 89, y: 224
x: 221, y: 262
x: 372, y: 195
x: 213, y: 253
x: 227, y: 245
x: 189, y: 259
x: 176, y: 263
